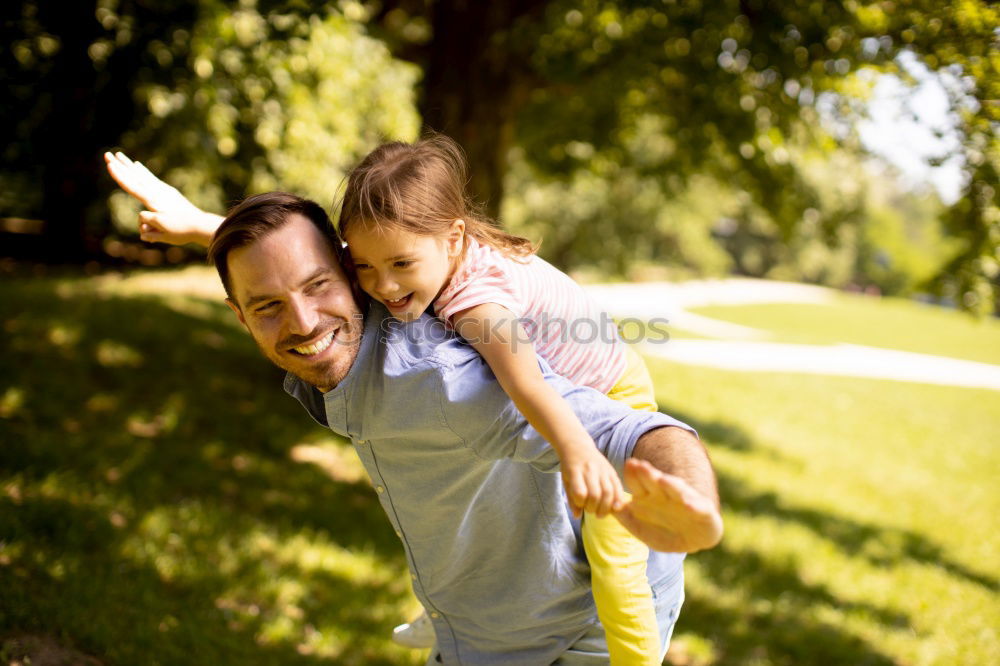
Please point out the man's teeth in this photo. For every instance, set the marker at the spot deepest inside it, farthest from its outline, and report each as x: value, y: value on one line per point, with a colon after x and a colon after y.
x: 317, y: 347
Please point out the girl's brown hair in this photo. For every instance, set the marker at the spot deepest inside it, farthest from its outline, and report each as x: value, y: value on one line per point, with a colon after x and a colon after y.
x: 420, y: 187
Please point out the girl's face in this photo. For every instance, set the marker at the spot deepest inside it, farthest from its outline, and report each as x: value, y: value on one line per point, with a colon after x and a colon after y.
x: 402, y: 270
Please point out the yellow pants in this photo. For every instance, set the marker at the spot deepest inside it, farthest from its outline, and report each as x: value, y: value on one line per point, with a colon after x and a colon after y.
x: 618, y: 560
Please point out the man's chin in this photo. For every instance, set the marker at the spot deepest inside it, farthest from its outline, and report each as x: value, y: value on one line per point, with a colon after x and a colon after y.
x: 325, y: 374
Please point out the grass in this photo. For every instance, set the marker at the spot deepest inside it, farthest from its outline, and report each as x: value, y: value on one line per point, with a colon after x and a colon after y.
x: 163, y: 502
x: 860, y: 520
x: 891, y: 323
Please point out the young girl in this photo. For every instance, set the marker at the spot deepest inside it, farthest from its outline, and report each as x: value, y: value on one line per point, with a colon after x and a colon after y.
x: 416, y: 242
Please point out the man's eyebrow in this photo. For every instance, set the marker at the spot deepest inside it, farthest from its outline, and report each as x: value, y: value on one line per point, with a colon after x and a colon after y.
x: 322, y: 270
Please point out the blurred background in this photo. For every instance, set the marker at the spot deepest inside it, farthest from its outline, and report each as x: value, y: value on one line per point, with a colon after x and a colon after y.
x: 806, y: 190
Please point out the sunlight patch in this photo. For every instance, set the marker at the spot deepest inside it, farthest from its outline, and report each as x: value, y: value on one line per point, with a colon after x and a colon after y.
x: 332, y: 459
x: 113, y: 354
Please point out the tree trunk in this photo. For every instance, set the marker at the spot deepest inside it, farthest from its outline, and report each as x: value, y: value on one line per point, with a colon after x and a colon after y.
x: 475, y: 81
x: 68, y: 154
x: 84, y: 108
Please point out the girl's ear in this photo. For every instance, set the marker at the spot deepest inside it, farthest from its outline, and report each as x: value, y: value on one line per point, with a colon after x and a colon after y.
x: 456, y: 238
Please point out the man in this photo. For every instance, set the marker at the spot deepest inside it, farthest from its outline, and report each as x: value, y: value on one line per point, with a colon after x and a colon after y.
x: 466, y: 483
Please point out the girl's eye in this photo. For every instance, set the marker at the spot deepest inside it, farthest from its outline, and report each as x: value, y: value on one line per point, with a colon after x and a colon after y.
x: 361, y: 267
x: 317, y: 284
x: 403, y: 263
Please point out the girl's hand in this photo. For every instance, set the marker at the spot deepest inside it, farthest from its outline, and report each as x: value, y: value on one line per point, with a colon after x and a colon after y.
x: 591, y: 482
x: 170, y: 217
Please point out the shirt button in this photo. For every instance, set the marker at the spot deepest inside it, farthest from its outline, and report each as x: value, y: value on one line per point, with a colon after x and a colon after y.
x: 399, y: 534
x: 362, y: 442
x: 379, y: 489
x: 413, y: 576
x: 435, y: 615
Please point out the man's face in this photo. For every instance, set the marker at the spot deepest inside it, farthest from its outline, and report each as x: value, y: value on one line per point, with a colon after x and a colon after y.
x: 292, y: 295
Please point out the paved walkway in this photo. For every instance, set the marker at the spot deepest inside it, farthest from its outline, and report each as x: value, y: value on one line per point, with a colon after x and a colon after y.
x: 746, y: 349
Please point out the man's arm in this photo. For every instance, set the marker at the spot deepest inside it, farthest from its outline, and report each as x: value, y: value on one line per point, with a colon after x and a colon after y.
x: 675, y: 499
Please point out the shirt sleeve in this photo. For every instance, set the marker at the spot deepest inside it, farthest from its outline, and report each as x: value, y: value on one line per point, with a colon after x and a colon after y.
x: 477, y: 410
x: 489, y: 285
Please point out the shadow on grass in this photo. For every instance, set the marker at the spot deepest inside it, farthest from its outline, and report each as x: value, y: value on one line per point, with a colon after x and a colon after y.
x: 880, y: 545
x: 719, y: 433
x: 147, y: 495
x: 780, y: 626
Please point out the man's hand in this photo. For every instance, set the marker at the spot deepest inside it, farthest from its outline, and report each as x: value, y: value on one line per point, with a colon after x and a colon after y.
x: 591, y: 482
x: 170, y: 217
x: 667, y: 513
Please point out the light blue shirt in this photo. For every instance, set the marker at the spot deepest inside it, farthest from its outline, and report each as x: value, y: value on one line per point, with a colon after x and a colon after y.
x: 473, y: 491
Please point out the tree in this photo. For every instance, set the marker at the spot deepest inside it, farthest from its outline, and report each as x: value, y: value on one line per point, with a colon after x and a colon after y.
x: 726, y: 82
x: 224, y: 101
x: 574, y: 84
x: 68, y: 68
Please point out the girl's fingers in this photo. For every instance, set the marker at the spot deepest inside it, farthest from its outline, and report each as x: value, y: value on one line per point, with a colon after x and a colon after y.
x: 577, y: 491
x: 612, y: 492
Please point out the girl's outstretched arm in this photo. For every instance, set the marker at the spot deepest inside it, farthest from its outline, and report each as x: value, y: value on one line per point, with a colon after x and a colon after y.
x: 170, y: 217
x: 591, y: 482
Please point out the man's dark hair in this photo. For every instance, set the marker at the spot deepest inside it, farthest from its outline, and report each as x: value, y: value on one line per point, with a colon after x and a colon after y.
x: 257, y: 216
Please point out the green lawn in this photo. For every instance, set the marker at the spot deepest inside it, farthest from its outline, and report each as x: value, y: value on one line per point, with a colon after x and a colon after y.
x: 861, y: 520
x: 163, y: 502
x: 891, y: 323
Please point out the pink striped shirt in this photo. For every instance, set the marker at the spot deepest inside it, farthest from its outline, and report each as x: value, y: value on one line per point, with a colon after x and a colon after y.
x: 579, y: 341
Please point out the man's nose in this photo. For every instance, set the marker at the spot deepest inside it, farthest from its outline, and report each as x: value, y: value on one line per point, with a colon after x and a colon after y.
x: 302, y: 317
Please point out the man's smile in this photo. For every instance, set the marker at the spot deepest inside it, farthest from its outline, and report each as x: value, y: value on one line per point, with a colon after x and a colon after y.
x: 317, y: 347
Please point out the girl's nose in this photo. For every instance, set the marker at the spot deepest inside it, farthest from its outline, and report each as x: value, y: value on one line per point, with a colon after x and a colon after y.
x: 385, y: 285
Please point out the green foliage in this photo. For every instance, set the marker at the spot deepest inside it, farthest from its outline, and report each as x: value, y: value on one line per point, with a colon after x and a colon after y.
x: 863, y: 230
x: 223, y: 100
x: 273, y: 101
x: 617, y: 222
x: 735, y: 88
x: 653, y: 95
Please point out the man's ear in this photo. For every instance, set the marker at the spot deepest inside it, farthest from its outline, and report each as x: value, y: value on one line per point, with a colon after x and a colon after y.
x: 456, y: 238
x: 239, y: 313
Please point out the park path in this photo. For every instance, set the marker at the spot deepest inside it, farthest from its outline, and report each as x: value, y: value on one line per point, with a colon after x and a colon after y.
x: 746, y: 349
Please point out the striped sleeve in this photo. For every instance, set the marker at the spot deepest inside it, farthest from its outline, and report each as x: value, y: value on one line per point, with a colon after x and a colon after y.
x: 564, y: 326
x: 489, y: 288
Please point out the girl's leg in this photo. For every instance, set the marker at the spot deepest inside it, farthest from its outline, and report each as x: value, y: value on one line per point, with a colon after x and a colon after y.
x: 618, y: 560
